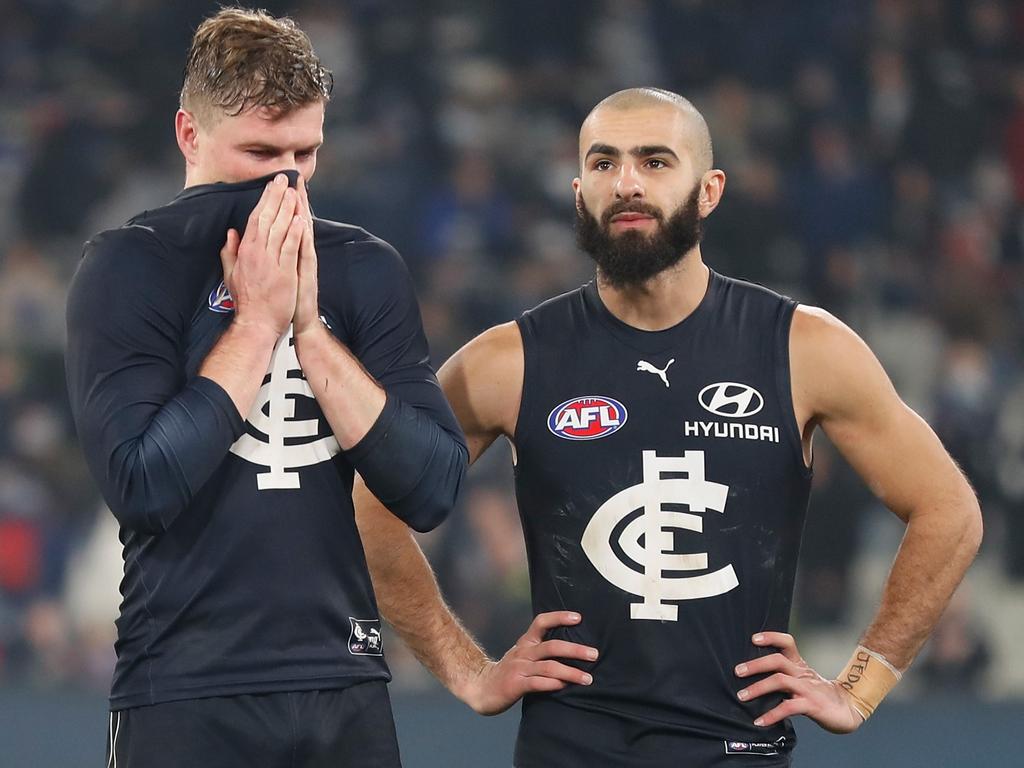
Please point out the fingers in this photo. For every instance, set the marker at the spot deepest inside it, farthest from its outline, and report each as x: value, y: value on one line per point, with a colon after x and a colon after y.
x: 788, y: 708
x: 292, y: 241
x: 266, y: 209
x: 308, y: 251
x: 304, y: 210
x: 561, y: 649
x: 774, y: 662
x: 270, y: 203
x: 781, y: 640
x: 545, y: 621
x: 229, y: 253
x: 279, y: 230
x: 543, y: 684
x: 771, y: 684
x: 555, y: 670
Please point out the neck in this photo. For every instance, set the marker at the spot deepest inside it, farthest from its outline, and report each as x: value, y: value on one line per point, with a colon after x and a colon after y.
x: 665, y: 300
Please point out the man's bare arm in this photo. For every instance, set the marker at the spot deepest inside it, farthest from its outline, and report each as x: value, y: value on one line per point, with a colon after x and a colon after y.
x: 483, y: 382
x: 905, y: 465
x: 839, y: 385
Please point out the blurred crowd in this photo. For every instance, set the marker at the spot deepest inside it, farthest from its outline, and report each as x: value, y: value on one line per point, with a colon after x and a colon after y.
x: 875, y: 162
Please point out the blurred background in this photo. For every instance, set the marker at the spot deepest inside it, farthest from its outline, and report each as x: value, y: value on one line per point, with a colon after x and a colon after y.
x: 875, y: 161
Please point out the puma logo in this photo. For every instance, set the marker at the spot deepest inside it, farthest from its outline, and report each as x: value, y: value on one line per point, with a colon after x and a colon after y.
x: 646, y: 367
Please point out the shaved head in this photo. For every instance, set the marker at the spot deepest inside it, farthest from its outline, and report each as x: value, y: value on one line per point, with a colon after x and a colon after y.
x: 698, y: 137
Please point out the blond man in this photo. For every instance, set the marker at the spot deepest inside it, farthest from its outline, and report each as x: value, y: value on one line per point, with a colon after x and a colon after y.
x: 233, y: 362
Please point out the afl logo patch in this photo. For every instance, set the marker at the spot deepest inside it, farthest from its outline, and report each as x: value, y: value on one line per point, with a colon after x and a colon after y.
x: 587, y: 418
x: 220, y: 299
x: 732, y: 400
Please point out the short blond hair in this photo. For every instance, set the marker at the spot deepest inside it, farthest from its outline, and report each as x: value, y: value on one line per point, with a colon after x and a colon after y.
x: 241, y: 59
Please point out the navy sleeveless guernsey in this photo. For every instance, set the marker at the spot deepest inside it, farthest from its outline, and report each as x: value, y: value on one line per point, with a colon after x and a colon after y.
x: 662, y: 488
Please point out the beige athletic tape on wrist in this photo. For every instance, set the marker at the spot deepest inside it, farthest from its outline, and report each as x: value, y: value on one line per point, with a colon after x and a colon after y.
x: 868, y: 677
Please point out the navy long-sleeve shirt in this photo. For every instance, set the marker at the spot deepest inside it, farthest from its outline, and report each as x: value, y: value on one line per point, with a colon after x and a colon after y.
x: 244, y: 572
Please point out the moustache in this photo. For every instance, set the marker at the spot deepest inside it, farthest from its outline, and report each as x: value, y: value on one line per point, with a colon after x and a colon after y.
x: 642, y: 208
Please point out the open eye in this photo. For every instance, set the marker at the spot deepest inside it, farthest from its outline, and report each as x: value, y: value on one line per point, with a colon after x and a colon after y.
x: 602, y: 165
x: 656, y: 163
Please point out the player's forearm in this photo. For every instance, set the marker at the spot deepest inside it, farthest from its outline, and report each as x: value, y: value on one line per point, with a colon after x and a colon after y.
x: 349, y: 397
x: 939, y: 544
x: 409, y: 598
x: 405, y: 456
x: 238, y: 362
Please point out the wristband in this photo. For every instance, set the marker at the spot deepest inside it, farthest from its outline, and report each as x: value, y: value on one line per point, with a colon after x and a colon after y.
x: 868, y: 677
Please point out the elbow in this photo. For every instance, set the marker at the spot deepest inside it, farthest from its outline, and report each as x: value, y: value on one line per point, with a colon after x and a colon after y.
x: 428, y: 515
x: 434, y: 497
x: 141, y: 502
x: 973, y: 527
x: 143, y: 515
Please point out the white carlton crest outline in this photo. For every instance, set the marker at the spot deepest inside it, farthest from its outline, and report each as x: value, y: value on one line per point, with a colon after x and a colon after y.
x: 655, y: 556
x: 278, y: 394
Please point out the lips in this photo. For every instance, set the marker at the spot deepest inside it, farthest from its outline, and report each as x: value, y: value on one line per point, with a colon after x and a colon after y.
x: 631, y: 216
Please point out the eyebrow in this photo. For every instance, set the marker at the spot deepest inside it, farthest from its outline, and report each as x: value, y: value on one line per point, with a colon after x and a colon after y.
x: 260, y: 146
x: 645, y: 150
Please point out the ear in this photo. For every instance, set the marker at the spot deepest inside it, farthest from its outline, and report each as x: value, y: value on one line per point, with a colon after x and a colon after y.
x: 186, y: 131
x: 577, y: 194
x: 712, y: 187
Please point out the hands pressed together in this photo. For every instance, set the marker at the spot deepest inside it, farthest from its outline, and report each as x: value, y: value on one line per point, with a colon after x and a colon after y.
x: 271, y: 270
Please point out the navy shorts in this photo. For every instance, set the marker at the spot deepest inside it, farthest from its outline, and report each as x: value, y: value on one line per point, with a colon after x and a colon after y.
x: 554, y: 734
x: 302, y: 729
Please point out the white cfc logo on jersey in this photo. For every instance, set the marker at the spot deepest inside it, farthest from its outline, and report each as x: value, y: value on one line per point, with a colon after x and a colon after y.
x: 273, y: 415
x: 656, y: 555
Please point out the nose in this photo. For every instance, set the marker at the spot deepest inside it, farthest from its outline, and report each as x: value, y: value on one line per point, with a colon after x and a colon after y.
x: 628, y: 186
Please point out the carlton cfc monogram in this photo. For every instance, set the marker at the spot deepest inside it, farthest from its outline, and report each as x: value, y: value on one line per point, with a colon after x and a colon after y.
x: 655, y: 524
x: 277, y: 396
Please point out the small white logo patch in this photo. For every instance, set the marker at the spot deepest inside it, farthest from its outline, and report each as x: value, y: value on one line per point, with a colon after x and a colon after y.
x: 662, y: 373
x: 365, y: 639
x: 731, y: 400
x: 756, y: 747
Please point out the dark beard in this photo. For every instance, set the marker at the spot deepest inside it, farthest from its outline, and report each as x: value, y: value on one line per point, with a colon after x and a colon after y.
x: 632, y: 258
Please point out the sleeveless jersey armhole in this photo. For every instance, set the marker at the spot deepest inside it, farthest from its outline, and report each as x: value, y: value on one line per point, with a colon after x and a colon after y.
x: 519, y: 437
x: 784, y: 385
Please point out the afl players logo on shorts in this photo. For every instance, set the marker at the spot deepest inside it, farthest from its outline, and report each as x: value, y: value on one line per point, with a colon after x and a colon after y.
x: 645, y: 575
x: 587, y: 418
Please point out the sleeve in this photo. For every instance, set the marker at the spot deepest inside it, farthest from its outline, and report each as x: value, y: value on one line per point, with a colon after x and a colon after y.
x: 151, y: 438
x: 415, y: 456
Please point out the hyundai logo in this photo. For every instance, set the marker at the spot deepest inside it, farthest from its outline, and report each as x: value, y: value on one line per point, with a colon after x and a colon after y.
x: 732, y: 400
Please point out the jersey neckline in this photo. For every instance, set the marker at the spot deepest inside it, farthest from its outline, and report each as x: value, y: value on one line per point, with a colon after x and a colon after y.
x: 651, y: 342
x: 220, y: 186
